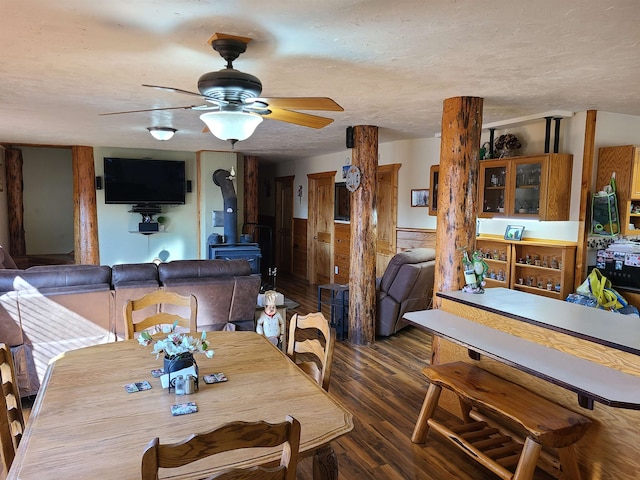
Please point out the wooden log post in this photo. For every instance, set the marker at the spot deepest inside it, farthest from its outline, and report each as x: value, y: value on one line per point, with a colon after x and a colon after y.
x: 586, y: 188
x: 85, y: 213
x: 15, y: 202
x: 457, y: 194
x: 250, y: 191
x: 457, y: 190
x: 362, y: 270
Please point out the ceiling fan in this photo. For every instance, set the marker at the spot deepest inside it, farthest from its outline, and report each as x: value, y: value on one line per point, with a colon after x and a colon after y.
x: 234, y: 107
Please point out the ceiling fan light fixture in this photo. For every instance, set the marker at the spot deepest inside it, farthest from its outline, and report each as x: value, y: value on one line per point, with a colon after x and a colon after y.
x: 231, y: 125
x: 162, y: 133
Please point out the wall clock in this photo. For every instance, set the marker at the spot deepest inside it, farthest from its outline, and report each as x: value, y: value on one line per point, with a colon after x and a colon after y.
x: 352, y: 180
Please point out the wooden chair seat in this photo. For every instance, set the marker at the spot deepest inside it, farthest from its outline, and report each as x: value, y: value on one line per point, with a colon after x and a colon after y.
x: 546, y: 423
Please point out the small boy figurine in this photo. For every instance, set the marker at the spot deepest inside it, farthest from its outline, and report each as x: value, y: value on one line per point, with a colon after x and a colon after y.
x: 271, y: 324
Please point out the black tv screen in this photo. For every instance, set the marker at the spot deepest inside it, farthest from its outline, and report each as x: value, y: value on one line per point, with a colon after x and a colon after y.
x: 136, y: 181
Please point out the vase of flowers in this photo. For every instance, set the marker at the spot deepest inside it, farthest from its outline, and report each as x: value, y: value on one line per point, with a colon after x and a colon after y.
x: 178, y: 349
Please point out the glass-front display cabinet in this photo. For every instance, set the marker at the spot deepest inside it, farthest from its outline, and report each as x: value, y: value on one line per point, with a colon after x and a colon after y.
x: 536, y: 187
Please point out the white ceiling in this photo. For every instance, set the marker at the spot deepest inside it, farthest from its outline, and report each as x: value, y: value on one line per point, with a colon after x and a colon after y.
x: 388, y: 63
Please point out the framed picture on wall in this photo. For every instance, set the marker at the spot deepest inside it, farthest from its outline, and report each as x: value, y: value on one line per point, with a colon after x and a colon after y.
x: 420, y: 197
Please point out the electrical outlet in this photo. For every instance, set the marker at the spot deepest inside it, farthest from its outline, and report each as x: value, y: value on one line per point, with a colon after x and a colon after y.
x: 335, y: 269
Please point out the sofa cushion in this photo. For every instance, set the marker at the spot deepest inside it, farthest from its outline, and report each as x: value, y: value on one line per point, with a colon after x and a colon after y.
x: 134, y: 274
x: 68, y: 278
x: 191, y: 269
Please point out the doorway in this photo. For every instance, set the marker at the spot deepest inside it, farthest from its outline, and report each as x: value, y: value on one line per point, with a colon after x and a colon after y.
x: 284, y: 223
x: 320, y: 227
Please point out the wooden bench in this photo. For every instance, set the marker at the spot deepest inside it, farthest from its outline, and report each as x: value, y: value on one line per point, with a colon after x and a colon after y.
x: 546, y: 423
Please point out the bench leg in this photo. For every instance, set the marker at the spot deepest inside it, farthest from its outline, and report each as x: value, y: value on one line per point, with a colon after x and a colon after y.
x: 528, y: 460
x: 569, y: 463
x: 428, y: 407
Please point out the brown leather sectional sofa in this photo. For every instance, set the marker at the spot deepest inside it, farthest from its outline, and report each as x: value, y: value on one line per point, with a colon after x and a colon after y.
x: 47, y: 310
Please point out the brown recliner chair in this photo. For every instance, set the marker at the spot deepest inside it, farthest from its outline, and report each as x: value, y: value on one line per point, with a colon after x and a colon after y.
x: 406, y: 286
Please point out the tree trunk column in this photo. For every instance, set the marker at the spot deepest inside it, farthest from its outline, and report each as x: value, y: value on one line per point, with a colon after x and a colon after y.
x: 457, y: 190
x: 250, y: 190
x: 15, y: 202
x: 85, y: 213
x: 362, y: 270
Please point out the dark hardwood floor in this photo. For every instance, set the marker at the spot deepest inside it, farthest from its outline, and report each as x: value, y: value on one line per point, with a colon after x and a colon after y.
x: 383, y: 387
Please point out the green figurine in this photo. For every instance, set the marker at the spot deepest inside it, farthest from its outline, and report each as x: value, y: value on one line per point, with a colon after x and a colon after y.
x: 475, y: 271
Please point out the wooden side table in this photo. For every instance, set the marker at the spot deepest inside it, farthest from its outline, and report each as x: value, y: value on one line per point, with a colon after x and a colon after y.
x: 338, y: 302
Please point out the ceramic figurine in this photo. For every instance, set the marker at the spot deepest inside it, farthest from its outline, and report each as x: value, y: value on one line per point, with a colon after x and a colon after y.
x: 271, y: 324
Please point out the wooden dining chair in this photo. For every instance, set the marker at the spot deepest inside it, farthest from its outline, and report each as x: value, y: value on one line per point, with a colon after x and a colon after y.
x: 159, y: 299
x: 231, y: 436
x: 311, y: 352
x: 11, y: 418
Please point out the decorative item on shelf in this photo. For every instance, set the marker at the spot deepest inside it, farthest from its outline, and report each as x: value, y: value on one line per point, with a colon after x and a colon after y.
x: 161, y: 223
x: 514, y: 232
x: 507, y: 145
x: 475, y: 271
x: 485, y: 151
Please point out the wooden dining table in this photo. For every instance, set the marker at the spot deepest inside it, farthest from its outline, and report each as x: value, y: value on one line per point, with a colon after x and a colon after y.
x: 84, y: 424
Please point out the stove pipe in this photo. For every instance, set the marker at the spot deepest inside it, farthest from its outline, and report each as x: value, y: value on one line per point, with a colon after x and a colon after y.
x: 221, y: 179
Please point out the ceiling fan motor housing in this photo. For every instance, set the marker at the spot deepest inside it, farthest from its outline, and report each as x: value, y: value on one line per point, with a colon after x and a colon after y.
x: 229, y: 85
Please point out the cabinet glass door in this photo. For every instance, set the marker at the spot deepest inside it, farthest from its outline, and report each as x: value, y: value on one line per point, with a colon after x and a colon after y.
x: 528, y: 177
x: 493, y: 178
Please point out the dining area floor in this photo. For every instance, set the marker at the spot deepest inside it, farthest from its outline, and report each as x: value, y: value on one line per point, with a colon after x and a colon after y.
x: 382, y: 385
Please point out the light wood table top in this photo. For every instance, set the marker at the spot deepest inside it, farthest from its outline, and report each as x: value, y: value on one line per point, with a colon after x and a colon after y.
x: 599, y: 326
x: 85, y: 425
x: 591, y: 381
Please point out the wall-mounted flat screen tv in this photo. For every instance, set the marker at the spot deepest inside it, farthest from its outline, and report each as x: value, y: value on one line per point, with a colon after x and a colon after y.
x: 141, y: 181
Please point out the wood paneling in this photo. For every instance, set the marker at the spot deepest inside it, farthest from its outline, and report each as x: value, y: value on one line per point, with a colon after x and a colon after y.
x: 341, y: 252
x: 300, y: 248
x: 415, y: 238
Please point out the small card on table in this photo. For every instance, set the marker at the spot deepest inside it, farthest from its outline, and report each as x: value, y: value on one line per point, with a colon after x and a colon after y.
x: 184, y: 408
x: 137, y: 386
x: 215, y: 378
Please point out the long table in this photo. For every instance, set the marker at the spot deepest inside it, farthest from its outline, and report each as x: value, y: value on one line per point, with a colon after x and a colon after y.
x: 85, y: 425
x: 591, y: 381
x: 552, y: 348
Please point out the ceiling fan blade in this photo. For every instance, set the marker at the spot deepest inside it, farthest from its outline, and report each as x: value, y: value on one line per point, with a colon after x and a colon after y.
x: 190, y: 107
x: 172, y: 89
x: 297, y: 118
x: 299, y: 103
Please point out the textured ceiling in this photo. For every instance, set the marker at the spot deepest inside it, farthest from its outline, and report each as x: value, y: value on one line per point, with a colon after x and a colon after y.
x: 389, y: 64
